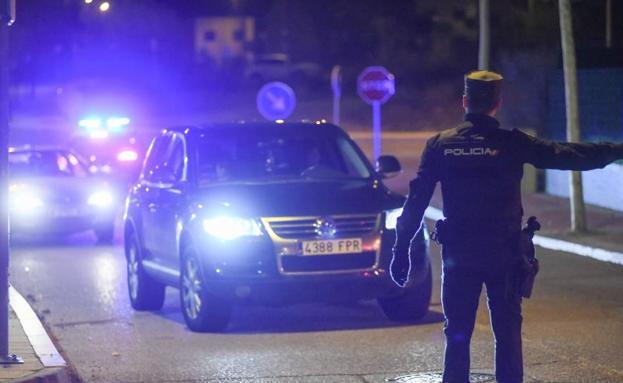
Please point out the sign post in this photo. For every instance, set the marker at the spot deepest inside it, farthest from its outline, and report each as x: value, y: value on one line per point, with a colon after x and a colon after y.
x: 336, y: 86
x: 375, y: 86
x: 7, y: 16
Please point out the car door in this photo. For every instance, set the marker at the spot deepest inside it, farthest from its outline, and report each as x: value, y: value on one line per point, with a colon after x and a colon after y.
x: 171, y: 201
x: 149, y: 193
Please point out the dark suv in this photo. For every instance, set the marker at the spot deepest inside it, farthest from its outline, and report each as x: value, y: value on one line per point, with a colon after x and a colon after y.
x: 266, y: 213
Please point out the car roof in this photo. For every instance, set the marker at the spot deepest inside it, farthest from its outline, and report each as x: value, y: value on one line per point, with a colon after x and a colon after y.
x: 302, y: 127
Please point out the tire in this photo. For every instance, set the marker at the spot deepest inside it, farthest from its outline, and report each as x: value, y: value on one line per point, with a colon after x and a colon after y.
x: 146, y: 294
x: 203, y: 312
x: 412, y: 304
x: 105, y: 232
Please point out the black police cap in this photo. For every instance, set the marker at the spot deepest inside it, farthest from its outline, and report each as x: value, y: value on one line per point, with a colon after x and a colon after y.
x: 483, y: 85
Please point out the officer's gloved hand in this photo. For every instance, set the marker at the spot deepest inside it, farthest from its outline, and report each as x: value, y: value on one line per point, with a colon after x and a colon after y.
x: 401, y: 264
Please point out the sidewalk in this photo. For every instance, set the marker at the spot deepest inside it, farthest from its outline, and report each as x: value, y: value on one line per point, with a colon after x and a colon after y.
x: 28, y: 339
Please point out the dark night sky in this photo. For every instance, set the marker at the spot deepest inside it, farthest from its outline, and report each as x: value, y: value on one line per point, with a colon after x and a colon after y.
x: 414, y: 37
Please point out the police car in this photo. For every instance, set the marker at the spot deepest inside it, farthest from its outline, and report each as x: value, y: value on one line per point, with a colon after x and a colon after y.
x: 112, y: 147
x: 52, y: 192
x: 265, y: 213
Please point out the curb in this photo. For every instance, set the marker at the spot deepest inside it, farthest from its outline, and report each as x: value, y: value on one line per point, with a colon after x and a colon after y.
x: 55, y: 368
x: 556, y: 244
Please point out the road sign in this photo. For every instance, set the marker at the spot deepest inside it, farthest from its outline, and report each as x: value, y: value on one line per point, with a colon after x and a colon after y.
x: 276, y: 101
x: 375, y: 84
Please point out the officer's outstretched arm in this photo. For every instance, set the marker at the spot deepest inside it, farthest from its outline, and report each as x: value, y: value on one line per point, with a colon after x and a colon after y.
x: 564, y: 155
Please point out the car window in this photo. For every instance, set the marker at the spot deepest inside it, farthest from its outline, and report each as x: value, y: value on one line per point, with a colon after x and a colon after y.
x: 156, y: 155
x: 174, y: 159
x: 45, y: 163
x: 269, y: 154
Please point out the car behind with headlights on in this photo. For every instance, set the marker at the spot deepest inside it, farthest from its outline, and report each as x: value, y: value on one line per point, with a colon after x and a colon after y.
x: 52, y: 192
x: 265, y: 213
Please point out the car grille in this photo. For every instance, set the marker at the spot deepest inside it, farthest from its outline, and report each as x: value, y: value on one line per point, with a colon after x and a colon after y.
x: 310, y: 228
x: 293, y: 264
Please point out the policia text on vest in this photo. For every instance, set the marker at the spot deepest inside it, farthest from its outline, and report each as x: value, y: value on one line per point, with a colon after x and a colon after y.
x: 479, y: 167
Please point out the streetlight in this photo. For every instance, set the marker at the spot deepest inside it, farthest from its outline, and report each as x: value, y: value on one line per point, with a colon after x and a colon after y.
x: 88, y: 1
x: 104, y: 7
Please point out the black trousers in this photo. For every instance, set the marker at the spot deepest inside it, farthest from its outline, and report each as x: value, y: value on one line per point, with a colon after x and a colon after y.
x: 461, y: 288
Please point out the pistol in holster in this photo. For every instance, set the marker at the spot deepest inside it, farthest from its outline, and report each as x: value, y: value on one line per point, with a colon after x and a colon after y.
x: 440, y: 235
x: 526, y: 265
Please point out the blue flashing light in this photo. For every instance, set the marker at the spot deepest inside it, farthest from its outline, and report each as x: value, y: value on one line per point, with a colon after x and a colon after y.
x: 116, y: 124
x: 90, y: 123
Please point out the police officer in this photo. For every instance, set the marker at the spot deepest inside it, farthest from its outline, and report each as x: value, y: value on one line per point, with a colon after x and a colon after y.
x: 480, y: 167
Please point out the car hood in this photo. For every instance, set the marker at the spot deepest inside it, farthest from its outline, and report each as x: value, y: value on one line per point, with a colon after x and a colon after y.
x: 309, y: 198
x: 69, y: 190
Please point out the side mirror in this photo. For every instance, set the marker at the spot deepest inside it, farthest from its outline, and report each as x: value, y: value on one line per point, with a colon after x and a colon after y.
x: 388, y: 166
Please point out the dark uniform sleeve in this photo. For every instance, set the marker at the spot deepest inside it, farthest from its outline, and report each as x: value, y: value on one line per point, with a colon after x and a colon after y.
x: 421, y: 190
x: 565, y: 155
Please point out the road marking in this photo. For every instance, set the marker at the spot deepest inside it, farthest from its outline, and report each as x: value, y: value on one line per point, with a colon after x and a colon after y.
x: 37, y: 336
x: 556, y: 244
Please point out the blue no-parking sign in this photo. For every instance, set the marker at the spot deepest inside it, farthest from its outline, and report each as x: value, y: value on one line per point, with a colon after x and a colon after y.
x: 276, y: 101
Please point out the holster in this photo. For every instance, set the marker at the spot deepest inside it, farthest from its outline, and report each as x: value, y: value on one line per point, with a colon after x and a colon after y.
x: 441, y: 233
x: 525, y: 267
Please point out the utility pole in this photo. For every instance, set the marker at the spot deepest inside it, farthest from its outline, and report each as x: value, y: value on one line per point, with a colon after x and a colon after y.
x: 484, y: 40
x: 608, y: 24
x: 7, y: 15
x: 578, y: 213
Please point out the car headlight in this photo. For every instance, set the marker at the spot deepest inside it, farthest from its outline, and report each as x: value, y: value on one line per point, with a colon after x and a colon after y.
x: 228, y: 228
x: 391, y: 218
x: 26, y: 203
x: 100, y: 199
x: 24, y: 200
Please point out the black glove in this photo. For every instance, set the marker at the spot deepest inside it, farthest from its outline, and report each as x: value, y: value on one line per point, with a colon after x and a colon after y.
x: 401, y: 263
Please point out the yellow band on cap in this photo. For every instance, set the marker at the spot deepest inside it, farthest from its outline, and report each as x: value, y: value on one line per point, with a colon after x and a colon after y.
x: 484, y: 75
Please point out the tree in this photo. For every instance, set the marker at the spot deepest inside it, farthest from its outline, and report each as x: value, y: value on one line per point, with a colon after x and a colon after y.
x: 578, y: 214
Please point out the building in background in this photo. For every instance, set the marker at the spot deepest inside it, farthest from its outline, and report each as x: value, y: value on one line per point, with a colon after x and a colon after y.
x: 221, y: 40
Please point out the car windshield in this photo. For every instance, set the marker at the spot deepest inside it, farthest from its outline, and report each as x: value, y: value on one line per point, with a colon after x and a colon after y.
x: 45, y: 164
x: 263, y: 155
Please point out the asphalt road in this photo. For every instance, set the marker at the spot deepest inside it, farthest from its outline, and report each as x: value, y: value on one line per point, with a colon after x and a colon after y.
x: 573, y: 327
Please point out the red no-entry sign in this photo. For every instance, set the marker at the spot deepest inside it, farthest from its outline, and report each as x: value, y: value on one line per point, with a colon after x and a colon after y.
x: 375, y: 84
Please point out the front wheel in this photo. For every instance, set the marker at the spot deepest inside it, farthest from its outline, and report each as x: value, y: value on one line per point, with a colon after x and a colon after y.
x: 412, y: 304
x: 146, y: 294
x: 203, y: 312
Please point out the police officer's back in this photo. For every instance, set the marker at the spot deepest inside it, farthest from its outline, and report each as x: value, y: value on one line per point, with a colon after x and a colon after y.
x: 479, y: 167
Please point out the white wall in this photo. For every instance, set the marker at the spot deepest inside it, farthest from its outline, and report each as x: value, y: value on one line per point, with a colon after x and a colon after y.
x: 602, y: 187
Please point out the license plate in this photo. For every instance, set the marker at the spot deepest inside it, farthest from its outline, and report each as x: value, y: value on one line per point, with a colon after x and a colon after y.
x: 332, y: 246
x: 67, y: 212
